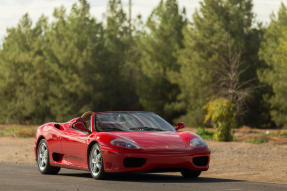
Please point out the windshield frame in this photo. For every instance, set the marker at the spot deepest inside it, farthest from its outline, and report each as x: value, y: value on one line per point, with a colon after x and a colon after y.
x: 165, y: 126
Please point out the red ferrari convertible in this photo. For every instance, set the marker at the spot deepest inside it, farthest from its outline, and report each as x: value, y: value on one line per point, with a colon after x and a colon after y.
x: 130, y: 141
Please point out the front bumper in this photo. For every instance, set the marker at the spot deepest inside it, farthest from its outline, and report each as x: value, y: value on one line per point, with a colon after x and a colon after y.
x: 114, y: 161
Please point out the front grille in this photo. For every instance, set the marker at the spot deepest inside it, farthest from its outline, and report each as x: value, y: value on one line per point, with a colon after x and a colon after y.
x: 134, y: 162
x: 200, y: 161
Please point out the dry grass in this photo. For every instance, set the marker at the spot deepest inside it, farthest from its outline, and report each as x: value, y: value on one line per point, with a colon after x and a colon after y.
x: 243, y: 134
x: 23, y: 131
x: 253, y: 135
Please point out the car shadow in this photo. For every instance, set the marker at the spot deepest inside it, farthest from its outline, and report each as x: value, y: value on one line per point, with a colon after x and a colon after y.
x: 153, y: 177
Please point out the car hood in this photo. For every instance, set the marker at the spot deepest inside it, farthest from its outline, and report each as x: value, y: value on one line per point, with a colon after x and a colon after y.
x: 160, y: 141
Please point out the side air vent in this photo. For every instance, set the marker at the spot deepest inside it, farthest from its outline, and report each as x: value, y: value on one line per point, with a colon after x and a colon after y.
x: 57, y: 157
x: 58, y: 126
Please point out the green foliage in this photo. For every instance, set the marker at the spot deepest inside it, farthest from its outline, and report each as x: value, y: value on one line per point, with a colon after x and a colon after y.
x: 58, y: 70
x: 259, y: 140
x: 158, y: 48
x: 74, y: 56
x: 221, y: 113
x: 205, y: 134
x: 118, y: 59
x: 274, y: 74
x: 23, y: 77
x: 218, y: 58
x: 55, y: 69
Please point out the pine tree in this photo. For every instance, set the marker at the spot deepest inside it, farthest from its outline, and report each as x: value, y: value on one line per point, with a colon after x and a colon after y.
x: 55, y: 71
x: 119, y: 84
x: 23, y: 77
x: 158, y: 48
x: 273, y: 52
x: 74, y: 54
x: 214, y: 62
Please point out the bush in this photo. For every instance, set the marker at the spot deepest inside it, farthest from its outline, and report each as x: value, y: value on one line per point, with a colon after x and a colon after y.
x: 201, y: 131
x: 221, y: 114
x: 284, y: 133
x: 259, y: 140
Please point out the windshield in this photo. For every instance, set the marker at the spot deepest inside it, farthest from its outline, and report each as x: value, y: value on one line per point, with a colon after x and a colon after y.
x: 130, y: 121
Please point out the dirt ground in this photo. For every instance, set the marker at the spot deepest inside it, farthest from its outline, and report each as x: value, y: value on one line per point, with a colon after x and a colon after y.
x: 245, y: 161
x: 234, y: 160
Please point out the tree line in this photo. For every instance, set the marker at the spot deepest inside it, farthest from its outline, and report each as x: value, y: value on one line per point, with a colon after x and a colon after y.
x: 56, y: 69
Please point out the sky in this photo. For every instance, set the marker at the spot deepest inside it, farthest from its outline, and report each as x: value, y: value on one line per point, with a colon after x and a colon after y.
x: 12, y: 10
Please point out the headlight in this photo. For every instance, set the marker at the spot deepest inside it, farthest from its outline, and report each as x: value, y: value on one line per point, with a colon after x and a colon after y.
x: 125, y: 143
x: 197, y: 142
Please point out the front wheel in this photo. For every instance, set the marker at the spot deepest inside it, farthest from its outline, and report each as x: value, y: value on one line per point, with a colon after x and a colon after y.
x: 190, y: 173
x: 96, y: 162
x: 43, y: 159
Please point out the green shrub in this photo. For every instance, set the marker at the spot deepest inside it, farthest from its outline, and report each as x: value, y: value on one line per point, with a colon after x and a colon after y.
x: 259, y: 140
x: 284, y: 133
x: 221, y: 113
x: 205, y: 134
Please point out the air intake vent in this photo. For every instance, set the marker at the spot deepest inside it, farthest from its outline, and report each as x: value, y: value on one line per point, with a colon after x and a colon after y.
x: 200, y: 161
x: 134, y: 162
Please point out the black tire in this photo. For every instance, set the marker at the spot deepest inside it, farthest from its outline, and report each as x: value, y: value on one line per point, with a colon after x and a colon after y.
x: 43, y: 159
x: 190, y: 173
x: 96, y: 163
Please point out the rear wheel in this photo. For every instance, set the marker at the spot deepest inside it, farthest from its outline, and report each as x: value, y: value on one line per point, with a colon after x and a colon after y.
x: 43, y: 159
x: 190, y: 173
x: 96, y: 162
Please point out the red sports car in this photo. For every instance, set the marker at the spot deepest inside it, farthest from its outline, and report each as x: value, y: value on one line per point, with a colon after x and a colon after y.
x: 131, y: 141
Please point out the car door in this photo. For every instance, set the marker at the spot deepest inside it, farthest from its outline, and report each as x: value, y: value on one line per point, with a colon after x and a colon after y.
x: 74, y: 146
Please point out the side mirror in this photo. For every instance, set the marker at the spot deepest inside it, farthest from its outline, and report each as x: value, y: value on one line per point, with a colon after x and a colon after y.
x: 179, y: 125
x: 79, y: 125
